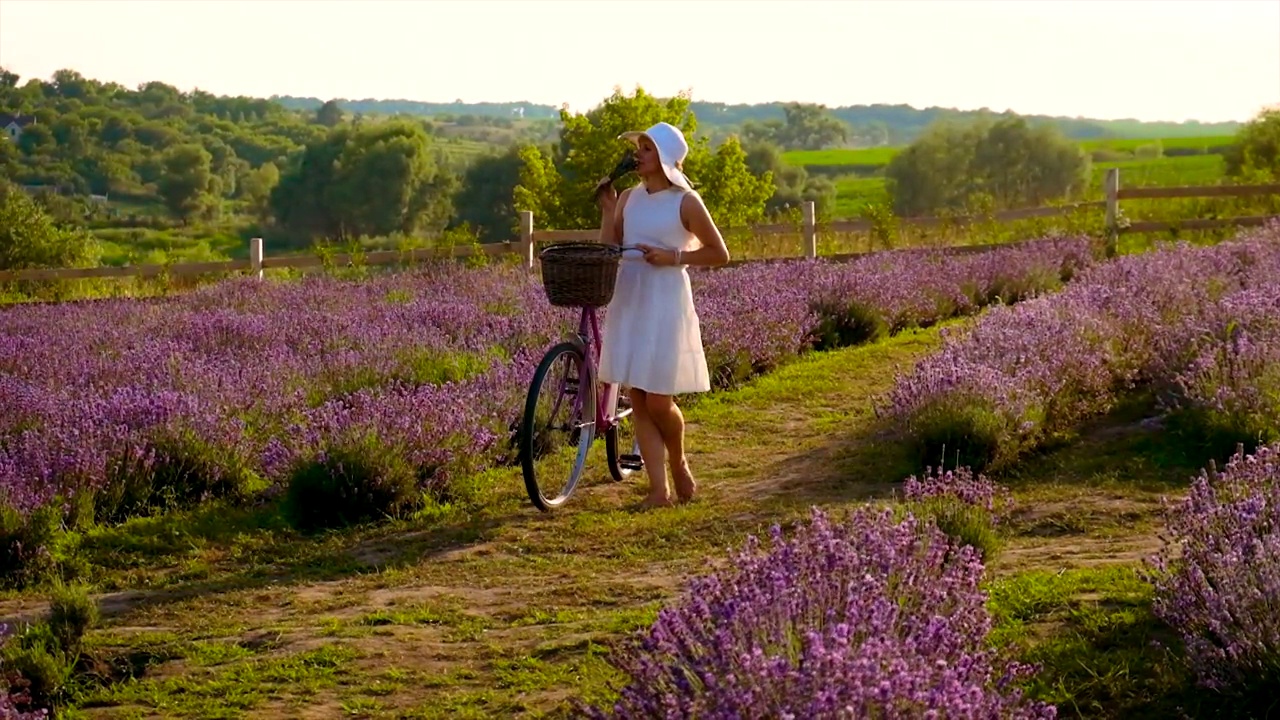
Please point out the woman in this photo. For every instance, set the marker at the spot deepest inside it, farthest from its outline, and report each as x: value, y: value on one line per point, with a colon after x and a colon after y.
x: 652, y: 342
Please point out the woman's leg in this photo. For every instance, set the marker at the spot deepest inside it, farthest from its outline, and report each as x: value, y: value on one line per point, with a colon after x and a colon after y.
x: 649, y: 437
x: 665, y: 414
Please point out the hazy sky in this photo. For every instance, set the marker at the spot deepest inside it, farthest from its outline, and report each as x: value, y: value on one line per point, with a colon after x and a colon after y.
x: 1147, y: 59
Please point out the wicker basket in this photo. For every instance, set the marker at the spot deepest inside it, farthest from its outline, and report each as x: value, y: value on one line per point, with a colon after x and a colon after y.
x: 579, y: 274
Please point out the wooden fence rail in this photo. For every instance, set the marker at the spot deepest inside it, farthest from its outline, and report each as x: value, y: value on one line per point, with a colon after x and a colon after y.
x: 809, y: 228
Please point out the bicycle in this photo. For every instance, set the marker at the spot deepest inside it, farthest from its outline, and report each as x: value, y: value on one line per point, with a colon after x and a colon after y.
x: 582, y: 275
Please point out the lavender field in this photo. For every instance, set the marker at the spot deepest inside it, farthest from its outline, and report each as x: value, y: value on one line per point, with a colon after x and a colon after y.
x: 235, y: 389
x: 247, y: 390
x: 1198, y: 328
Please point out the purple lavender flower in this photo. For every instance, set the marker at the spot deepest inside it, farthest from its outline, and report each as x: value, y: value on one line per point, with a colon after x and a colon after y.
x: 961, y: 485
x: 869, y: 617
x: 1217, y: 576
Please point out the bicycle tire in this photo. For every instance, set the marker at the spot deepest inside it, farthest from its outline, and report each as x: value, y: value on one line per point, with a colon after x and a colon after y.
x: 621, y: 466
x: 529, y: 429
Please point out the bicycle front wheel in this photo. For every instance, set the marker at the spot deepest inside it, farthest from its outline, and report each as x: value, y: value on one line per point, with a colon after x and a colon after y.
x: 559, y: 414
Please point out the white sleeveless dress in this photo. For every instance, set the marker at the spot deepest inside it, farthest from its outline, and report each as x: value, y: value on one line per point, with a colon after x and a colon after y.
x: 652, y: 339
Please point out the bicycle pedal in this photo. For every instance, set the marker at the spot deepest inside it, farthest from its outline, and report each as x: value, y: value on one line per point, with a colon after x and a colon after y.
x: 630, y: 462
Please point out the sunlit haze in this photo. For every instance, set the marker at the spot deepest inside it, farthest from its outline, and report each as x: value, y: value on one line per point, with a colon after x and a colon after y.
x: 1149, y: 60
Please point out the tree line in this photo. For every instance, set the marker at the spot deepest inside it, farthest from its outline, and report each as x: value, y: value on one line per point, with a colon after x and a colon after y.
x: 328, y: 174
x: 894, y: 125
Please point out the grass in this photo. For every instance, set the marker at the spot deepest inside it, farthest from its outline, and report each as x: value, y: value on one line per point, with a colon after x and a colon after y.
x: 1163, y: 172
x: 141, y: 246
x: 492, y: 609
x: 860, y: 182
x: 855, y: 193
x: 880, y: 156
x: 859, y: 173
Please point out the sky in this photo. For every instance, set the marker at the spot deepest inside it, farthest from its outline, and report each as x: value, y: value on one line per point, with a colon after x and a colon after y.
x: 1173, y: 60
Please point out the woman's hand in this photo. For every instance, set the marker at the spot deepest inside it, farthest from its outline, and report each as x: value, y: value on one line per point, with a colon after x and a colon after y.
x: 606, y: 195
x: 659, y: 255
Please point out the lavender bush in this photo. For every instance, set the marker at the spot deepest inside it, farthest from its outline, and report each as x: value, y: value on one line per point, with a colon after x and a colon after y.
x: 967, y: 506
x: 879, y: 294
x: 1227, y: 390
x: 872, y: 617
x: 1193, y: 324
x: 1218, y: 574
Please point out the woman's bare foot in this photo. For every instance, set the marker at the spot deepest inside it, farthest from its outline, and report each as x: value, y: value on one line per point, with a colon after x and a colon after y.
x: 686, y: 486
x: 651, y: 502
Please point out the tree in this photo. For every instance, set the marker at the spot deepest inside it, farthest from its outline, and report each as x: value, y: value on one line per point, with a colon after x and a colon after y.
x: 367, y: 181
x: 10, y: 159
x: 557, y: 186
x: 952, y: 164
x: 806, y: 127
x: 1256, y: 152
x: 71, y: 136
x: 188, y: 181
x: 255, y: 189
x: 1020, y: 164
x: 486, y: 200
x: 792, y: 183
x: 36, y: 139
x: 30, y: 238
x: 71, y: 84
x: 932, y: 173
x: 329, y: 114
x: 811, y: 127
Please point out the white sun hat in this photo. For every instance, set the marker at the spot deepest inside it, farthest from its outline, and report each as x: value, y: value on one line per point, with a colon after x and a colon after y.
x: 672, y: 149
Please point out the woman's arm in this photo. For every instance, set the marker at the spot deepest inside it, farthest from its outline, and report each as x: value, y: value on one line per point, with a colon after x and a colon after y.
x: 696, y: 219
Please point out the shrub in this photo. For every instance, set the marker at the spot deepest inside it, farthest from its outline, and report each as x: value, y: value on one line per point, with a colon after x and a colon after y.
x: 39, y: 665
x: 16, y: 702
x: 29, y: 237
x: 71, y: 613
x: 1218, y: 574
x: 35, y: 548
x: 354, y: 480
x: 134, y: 406
x: 846, y: 322
x: 870, y: 617
x: 180, y: 470
x: 1228, y: 391
x: 42, y: 661
x: 967, y: 507
x: 972, y: 430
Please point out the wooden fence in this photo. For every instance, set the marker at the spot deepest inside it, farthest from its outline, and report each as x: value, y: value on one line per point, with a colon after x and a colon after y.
x: 530, y: 238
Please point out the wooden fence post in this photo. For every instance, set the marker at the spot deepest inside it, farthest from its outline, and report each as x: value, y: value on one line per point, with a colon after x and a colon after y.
x: 255, y: 257
x: 1111, y: 185
x: 526, y: 238
x: 810, y: 229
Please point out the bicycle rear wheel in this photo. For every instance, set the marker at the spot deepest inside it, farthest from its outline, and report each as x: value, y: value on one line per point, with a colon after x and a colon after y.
x: 559, y: 412
x: 621, y: 446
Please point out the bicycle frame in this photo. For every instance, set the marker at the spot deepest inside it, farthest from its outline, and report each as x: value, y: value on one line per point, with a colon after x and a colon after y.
x: 588, y: 334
